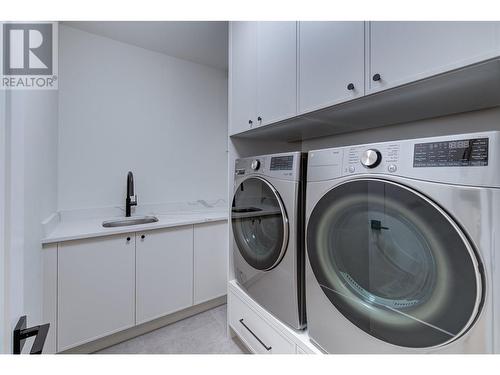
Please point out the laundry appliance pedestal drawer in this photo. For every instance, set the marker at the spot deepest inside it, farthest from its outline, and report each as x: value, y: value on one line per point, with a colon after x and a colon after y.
x: 256, y: 334
x: 259, y: 330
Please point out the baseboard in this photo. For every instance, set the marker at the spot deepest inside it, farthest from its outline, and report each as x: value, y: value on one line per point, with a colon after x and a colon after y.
x: 143, y: 328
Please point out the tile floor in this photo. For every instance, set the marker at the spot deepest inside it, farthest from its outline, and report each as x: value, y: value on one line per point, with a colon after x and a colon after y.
x: 204, y: 333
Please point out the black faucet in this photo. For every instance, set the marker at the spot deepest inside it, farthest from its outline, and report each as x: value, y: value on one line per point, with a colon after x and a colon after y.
x: 131, y: 199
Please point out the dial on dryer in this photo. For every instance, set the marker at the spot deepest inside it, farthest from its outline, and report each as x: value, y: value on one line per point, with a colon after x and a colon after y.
x: 255, y: 165
x: 371, y: 158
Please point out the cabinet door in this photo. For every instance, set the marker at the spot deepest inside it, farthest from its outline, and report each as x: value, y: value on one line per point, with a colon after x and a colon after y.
x: 210, y: 261
x: 402, y: 52
x: 331, y: 63
x: 96, y: 289
x: 243, y: 73
x: 276, y: 71
x: 164, y: 272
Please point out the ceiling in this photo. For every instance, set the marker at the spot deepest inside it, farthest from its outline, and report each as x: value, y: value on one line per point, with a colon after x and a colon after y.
x: 201, y: 42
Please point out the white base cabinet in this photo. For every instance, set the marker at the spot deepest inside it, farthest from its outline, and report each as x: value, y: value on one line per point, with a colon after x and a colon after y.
x: 49, y: 298
x: 96, y: 289
x: 164, y: 272
x: 210, y: 261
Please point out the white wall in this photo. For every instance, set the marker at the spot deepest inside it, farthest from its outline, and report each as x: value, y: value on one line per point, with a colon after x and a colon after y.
x: 125, y: 108
x: 40, y: 187
x: 31, y: 196
x: 3, y: 182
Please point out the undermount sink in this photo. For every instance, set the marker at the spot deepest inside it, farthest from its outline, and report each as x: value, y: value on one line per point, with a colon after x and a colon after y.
x: 135, y: 220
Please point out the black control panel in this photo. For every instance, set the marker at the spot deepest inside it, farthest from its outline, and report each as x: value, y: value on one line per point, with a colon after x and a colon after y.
x: 282, y: 163
x: 456, y: 153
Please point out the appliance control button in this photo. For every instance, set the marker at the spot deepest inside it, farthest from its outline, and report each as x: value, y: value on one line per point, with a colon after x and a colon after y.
x: 255, y: 164
x: 392, y: 168
x: 371, y: 158
x: 352, y: 169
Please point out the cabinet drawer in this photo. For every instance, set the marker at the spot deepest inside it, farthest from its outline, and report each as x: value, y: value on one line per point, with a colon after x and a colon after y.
x: 254, y: 331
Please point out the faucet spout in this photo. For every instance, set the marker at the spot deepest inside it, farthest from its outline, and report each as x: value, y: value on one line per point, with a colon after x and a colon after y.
x: 131, y: 199
x: 130, y: 184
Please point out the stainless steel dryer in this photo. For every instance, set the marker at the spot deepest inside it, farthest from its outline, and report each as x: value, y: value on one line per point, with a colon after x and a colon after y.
x: 401, y: 242
x: 268, y: 227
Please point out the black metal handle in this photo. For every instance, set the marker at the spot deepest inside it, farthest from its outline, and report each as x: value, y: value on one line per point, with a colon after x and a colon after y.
x: 143, y: 236
x: 128, y: 239
x: 259, y: 119
x: 250, y: 122
x: 21, y: 333
x: 350, y: 86
x: 377, y: 77
x: 268, y: 348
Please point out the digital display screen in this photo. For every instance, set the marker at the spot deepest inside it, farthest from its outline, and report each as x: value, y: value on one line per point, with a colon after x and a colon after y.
x: 282, y: 163
x: 458, y: 144
x: 459, y: 153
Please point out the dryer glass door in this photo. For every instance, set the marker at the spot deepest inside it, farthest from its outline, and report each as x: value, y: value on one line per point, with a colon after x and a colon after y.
x: 260, y: 225
x: 394, y: 263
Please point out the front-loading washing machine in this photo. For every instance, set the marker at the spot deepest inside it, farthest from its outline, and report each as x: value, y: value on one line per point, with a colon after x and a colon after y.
x: 401, y: 246
x: 267, y: 221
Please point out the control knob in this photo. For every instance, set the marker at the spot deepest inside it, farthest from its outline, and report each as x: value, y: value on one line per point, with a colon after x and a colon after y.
x: 255, y: 164
x: 371, y: 158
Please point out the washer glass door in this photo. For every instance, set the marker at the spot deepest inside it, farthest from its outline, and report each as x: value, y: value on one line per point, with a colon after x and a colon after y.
x: 260, y: 224
x: 394, y: 263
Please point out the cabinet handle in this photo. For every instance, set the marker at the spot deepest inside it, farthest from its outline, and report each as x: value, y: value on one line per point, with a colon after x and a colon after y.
x: 143, y: 236
x: 250, y: 122
x: 128, y: 239
x: 350, y: 86
x: 377, y: 77
x: 268, y: 348
x: 259, y: 119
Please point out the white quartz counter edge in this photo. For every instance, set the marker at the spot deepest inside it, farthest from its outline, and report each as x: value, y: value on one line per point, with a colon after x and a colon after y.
x: 90, y: 228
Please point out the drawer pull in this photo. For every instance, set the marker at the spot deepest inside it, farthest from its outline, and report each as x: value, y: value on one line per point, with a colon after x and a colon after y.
x: 268, y: 348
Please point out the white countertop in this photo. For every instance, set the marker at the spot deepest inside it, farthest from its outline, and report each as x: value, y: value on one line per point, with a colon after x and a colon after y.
x: 71, y: 226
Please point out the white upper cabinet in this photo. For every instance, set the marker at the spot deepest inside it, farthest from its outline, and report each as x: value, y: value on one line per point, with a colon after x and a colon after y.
x: 402, y: 52
x: 263, y: 73
x: 243, y: 72
x: 276, y: 71
x: 331, y: 63
x: 279, y: 70
x: 164, y: 272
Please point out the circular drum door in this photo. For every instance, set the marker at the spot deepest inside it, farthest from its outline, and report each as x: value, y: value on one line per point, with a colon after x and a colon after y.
x: 260, y: 224
x: 394, y: 263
